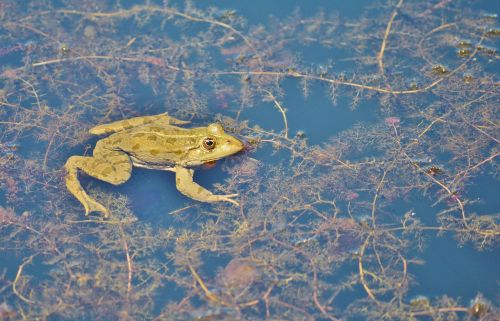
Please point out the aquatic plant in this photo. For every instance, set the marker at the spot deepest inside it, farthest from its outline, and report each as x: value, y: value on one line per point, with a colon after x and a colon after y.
x: 317, y: 221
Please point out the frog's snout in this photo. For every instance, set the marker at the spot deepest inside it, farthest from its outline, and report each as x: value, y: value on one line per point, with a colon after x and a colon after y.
x: 233, y: 145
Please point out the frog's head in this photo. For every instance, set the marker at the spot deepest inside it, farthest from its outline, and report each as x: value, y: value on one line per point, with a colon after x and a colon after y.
x: 213, y: 145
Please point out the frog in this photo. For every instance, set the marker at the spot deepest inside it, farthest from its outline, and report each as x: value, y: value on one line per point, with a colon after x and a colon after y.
x: 155, y: 142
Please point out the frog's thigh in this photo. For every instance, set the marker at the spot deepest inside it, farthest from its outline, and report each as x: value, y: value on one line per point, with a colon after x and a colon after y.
x: 113, y: 167
x: 184, y: 183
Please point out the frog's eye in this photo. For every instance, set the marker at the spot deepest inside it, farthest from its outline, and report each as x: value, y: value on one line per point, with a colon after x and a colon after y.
x: 209, y: 143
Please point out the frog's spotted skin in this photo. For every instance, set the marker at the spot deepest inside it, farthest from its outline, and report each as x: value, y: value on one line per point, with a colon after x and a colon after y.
x: 151, y: 142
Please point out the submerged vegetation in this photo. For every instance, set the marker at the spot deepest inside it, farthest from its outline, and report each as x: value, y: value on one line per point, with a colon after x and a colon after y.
x: 317, y: 222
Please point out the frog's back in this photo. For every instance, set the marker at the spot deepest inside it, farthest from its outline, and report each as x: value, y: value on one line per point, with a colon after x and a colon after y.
x: 153, y: 144
x: 126, y: 124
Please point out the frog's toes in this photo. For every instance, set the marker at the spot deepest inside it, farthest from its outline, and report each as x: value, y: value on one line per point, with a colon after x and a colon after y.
x: 228, y: 198
x: 93, y: 206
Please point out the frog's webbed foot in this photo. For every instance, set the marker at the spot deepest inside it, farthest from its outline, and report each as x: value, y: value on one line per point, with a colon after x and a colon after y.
x: 92, y: 206
x: 185, y: 184
x: 228, y: 198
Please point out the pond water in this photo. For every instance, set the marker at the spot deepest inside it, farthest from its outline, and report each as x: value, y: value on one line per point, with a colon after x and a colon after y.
x: 367, y: 187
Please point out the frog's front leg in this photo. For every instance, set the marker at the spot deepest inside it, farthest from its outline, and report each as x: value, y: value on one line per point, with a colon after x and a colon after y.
x: 184, y: 183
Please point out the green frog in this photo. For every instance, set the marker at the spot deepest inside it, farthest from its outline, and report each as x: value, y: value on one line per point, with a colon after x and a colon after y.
x: 152, y: 142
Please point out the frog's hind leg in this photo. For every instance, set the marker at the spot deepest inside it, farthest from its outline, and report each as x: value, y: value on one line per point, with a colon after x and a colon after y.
x: 112, y: 166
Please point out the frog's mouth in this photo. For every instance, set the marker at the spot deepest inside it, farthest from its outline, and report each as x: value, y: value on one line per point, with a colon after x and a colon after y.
x: 204, y: 161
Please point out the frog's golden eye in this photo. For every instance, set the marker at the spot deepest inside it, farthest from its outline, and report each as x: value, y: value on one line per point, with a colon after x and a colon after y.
x: 209, y: 143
